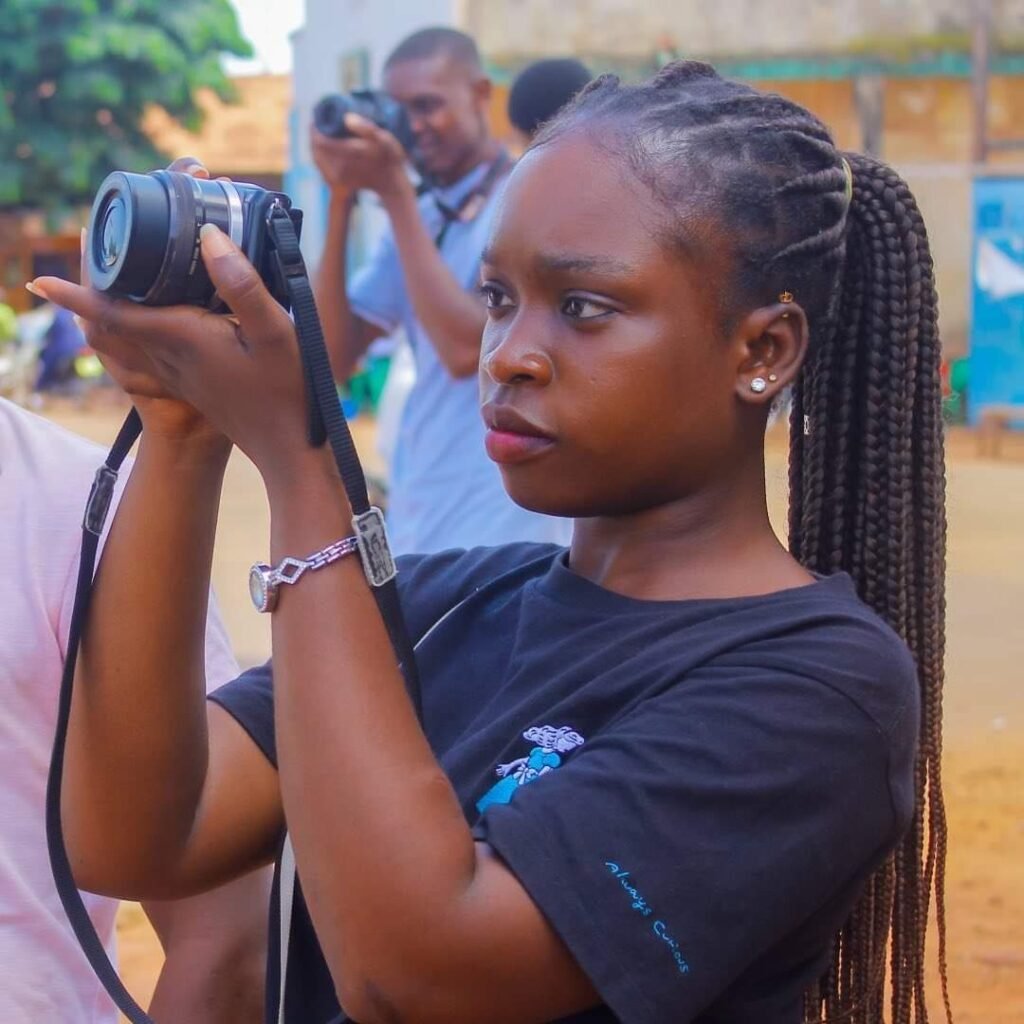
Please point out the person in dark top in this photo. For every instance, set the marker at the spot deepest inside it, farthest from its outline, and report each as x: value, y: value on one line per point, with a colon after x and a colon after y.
x: 541, y: 90
x: 62, y: 343
x: 675, y: 772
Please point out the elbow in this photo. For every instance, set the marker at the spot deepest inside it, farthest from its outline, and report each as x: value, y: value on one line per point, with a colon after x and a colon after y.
x: 93, y: 867
x: 405, y: 991
x: 125, y: 882
x: 114, y: 869
x: 370, y: 1002
x: 94, y: 876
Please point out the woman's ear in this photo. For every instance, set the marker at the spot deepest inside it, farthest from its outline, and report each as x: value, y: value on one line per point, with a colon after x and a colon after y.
x: 770, y: 343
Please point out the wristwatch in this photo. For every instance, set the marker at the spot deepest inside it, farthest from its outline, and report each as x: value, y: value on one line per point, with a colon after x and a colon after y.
x: 265, y: 580
x: 370, y: 540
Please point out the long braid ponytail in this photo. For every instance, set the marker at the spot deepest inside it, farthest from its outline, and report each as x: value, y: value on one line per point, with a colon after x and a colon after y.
x: 866, y: 446
x: 866, y: 409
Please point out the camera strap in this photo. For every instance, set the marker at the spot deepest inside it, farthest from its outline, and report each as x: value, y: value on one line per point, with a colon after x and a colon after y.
x: 473, y: 202
x: 92, y: 527
x: 325, y: 422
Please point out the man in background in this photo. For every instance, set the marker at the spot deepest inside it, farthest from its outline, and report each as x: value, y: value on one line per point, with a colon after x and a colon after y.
x: 443, y: 491
x: 215, y: 944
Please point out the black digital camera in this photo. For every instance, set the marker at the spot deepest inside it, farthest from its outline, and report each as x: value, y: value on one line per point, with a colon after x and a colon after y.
x: 378, y: 107
x: 143, y: 241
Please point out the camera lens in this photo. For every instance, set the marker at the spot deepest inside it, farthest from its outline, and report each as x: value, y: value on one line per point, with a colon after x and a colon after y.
x: 378, y: 107
x: 144, y: 234
x: 329, y: 116
x: 131, y: 214
x: 143, y: 241
x: 112, y: 232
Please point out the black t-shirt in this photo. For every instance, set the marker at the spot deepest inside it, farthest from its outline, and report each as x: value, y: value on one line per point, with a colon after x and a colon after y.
x: 691, y: 791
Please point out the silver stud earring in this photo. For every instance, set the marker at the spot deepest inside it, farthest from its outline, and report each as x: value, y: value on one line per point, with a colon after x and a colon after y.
x: 758, y: 384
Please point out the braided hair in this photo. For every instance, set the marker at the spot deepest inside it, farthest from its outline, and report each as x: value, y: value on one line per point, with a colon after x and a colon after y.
x: 843, y: 234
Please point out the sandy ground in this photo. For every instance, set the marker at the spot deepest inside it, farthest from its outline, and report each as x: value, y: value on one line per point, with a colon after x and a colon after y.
x: 984, y: 762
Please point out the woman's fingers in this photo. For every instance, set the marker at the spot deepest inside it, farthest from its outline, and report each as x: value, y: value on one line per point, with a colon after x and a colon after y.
x: 260, y: 316
x: 189, y: 165
x: 100, y: 319
x: 107, y: 314
x: 118, y: 326
x: 83, y: 267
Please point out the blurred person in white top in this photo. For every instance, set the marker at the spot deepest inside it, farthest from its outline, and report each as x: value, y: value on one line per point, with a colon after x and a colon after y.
x: 215, y: 944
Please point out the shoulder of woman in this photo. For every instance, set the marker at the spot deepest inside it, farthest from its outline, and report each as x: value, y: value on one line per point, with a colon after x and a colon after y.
x: 432, y: 584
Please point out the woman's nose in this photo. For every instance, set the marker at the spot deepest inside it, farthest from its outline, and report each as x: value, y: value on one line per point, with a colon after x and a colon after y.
x: 513, y: 360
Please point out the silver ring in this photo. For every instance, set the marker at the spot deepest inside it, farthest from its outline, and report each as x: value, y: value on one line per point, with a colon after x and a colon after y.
x: 234, y: 212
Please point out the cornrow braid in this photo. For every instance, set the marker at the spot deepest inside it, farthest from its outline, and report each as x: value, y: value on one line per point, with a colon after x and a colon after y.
x: 866, y: 469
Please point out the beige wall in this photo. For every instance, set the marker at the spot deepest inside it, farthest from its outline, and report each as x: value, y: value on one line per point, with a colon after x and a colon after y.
x: 637, y: 27
x: 249, y: 137
x: 927, y: 122
x: 944, y: 196
x: 926, y: 137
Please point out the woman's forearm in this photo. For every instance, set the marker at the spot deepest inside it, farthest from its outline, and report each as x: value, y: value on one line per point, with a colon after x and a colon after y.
x: 370, y: 810
x: 137, y: 738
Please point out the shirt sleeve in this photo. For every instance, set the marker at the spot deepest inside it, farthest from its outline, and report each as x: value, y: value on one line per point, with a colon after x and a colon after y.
x: 429, y: 586
x: 376, y: 291
x: 249, y: 700
x: 675, y: 849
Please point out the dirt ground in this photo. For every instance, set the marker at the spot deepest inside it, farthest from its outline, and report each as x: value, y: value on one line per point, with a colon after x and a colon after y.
x: 984, y: 716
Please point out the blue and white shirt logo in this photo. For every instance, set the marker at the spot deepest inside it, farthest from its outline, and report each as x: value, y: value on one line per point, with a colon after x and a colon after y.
x: 550, y: 744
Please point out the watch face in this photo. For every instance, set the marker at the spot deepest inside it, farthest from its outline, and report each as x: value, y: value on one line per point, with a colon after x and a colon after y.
x: 260, y: 587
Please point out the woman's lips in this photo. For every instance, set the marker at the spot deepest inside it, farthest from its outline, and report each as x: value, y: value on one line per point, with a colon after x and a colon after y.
x: 511, y: 436
x: 508, y: 448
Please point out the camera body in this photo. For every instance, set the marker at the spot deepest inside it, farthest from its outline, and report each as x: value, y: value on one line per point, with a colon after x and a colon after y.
x: 143, y: 240
x: 378, y: 107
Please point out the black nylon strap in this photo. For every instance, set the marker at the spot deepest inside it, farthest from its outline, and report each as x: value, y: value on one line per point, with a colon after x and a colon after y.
x: 453, y: 214
x: 325, y: 422
x: 326, y: 412
x: 70, y: 897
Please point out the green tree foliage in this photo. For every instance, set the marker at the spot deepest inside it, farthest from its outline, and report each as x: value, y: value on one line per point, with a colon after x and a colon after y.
x: 76, y: 77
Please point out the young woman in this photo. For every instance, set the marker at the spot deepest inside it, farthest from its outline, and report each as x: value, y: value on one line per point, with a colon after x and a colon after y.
x: 675, y: 773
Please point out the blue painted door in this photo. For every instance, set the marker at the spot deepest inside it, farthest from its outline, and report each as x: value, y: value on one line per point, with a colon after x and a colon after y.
x: 997, y: 320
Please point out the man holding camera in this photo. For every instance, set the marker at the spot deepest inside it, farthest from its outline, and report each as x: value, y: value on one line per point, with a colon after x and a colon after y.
x: 444, y: 490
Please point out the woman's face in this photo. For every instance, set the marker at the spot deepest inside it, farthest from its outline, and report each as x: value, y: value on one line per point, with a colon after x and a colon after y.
x: 606, y: 385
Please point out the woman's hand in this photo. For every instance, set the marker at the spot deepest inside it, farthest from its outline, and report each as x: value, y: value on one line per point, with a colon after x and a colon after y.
x: 130, y: 366
x: 239, y: 376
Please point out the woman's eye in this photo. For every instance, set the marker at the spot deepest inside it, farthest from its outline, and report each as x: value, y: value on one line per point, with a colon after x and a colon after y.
x: 494, y: 297
x: 583, y: 309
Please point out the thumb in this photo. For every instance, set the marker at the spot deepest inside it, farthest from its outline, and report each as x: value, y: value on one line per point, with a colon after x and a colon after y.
x: 239, y: 285
x: 361, y: 127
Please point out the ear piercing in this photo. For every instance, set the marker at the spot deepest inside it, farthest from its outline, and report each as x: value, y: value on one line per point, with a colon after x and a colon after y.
x: 758, y: 385
x: 772, y: 378
x: 786, y: 297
